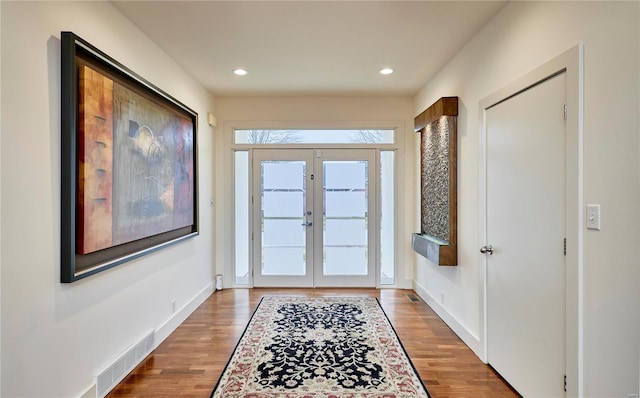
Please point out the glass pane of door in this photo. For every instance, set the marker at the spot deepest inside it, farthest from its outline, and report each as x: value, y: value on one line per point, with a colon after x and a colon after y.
x: 345, y: 217
x: 281, y: 199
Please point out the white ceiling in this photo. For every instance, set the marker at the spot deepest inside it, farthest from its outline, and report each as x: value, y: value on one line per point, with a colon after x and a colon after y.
x: 311, y: 47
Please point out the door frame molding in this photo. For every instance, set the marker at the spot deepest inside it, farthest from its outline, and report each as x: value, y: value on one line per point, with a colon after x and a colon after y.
x: 570, y: 62
x: 403, y: 274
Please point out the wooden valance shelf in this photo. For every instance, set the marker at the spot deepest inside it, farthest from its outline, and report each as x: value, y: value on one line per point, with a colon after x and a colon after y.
x: 445, y: 106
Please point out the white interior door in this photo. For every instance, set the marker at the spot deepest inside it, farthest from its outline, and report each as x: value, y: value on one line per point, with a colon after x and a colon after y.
x: 314, y: 217
x: 526, y: 229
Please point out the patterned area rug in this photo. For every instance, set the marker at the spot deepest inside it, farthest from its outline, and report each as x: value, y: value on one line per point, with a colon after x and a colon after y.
x: 319, y: 348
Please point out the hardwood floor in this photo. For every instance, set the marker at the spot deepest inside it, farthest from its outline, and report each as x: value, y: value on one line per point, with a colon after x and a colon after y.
x: 189, y: 362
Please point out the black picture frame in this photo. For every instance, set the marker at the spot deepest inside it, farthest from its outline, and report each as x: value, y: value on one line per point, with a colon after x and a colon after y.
x: 126, y: 191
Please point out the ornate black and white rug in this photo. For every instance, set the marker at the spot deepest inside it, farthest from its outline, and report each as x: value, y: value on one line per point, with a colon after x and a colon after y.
x: 326, y: 347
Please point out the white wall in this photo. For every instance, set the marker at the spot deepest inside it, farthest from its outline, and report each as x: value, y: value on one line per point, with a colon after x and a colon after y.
x: 55, y: 336
x: 315, y: 112
x: 521, y: 37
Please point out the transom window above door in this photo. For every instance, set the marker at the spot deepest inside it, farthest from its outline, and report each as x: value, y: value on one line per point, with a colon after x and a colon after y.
x: 317, y: 136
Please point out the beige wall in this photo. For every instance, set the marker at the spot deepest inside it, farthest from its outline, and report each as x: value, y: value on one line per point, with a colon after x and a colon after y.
x: 314, y: 112
x: 56, y: 337
x: 521, y: 37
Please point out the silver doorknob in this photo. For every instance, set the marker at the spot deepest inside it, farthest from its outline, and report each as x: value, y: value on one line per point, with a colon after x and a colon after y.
x: 307, y: 224
x: 486, y: 249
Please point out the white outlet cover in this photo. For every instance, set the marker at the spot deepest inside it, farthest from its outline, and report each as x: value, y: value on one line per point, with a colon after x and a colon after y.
x: 593, y: 217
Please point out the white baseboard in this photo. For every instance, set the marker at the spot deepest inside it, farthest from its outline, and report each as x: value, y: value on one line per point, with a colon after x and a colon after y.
x: 471, y: 340
x: 404, y: 284
x: 90, y: 393
x: 163, y: 331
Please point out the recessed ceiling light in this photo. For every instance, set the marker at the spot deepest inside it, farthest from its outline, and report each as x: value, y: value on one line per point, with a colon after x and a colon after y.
x: 386, y: 71
x: 240, y: 72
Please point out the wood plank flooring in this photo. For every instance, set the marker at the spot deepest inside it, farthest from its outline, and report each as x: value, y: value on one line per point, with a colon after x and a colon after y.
x: 190, y: 361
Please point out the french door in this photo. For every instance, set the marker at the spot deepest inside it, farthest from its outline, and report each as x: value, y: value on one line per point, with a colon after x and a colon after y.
x: 314, y: 217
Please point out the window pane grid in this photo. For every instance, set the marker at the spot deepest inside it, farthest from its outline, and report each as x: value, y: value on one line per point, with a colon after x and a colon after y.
x: 282, y: 208
x: 345, y: 215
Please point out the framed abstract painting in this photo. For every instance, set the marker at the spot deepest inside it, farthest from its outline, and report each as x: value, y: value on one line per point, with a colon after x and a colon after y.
x: 129, y: 183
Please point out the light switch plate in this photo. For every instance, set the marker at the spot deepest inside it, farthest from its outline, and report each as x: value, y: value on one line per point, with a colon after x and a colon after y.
x: 593, y: 217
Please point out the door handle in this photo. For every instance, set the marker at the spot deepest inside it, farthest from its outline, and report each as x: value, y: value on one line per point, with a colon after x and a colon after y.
x: 486, y: 250
x: 307, y: 224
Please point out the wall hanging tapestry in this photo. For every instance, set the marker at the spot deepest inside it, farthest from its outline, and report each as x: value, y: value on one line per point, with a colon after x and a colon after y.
x: 319, y: 347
